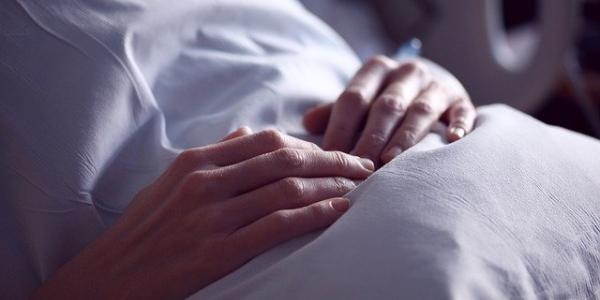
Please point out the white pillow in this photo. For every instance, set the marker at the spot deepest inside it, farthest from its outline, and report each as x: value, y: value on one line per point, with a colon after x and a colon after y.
x: 511, y: 211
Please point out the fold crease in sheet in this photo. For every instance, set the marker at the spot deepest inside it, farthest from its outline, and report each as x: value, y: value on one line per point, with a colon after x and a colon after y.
x: 100, y: 96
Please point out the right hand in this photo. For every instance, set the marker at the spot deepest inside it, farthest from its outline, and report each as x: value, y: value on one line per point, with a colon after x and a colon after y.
x: 389, y: 106
x: 214, y: 209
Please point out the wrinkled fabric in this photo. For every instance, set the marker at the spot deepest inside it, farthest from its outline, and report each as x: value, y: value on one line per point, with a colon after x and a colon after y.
x: 512, y: 211
x: 98, y: 97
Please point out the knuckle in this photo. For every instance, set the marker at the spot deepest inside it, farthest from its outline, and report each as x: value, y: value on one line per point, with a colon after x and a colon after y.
x: 282, y: 219
x: 413, y: 66
x: 460, y: 122
x: 463, y: 110
x: 408, y: 67
x: 376, y: 139
x: 390, y: 104
x: 188, y: 157
x: 378, y: 60
x: 293, y: 187
x: 423, y: 107
x: 289, y: 158
x: 317, y: 212
x: 340, y: 160
x: 194, y: 182
x: 342, y: 185
x: 273, y: 138
x: 354, y: 97
x: 401, y: 72
x: 408, y: 137
x: 314, y: 146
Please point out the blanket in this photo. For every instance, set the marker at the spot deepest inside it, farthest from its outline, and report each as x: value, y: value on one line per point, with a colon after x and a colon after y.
x: 98, y: 97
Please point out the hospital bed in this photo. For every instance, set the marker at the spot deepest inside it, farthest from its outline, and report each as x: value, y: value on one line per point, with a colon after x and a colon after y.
x: 98, y: 99
x: 518, y: 67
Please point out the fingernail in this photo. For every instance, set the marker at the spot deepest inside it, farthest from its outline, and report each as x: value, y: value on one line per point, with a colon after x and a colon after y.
x: 458, y: 132
x: 367, y: 163
x: 340, y: 204
x: 393, y: 152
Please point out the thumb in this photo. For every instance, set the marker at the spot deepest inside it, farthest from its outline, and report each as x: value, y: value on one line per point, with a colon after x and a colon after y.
x: 316, y: 119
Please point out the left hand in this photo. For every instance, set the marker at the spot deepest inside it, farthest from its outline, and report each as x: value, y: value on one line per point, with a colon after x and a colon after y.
x: 394, y: 104
x: 215, y: 208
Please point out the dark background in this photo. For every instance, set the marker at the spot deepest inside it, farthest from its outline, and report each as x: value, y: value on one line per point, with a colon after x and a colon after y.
x: 562, y: 107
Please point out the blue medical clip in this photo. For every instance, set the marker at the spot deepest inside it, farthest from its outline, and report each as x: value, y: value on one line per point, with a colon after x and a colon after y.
x: 409, y: 49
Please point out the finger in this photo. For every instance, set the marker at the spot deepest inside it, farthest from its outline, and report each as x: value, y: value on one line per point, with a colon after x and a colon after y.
x: 235, y: 150
x: 421, y: 115
x: 267, y: 168
x: 244, y: 148
x: 351, y: 107
x: 405, y: 84
x: 242, y: 131
x: 287, y: 193
x: 461, y: 118
x: 230, y: 152
x: 316, y: 119
x: 284, y: 225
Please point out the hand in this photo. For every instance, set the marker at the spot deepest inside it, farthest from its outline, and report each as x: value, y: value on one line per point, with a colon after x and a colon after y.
x: 215, y: 208
x: 394, y: 105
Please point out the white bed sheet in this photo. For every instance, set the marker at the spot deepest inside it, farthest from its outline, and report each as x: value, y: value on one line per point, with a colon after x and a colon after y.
x: 98, y: 97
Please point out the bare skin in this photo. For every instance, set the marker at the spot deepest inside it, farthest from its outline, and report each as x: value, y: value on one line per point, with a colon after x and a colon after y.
x: 217, y: 207
x: 389, y: 106
x: 214, y: 209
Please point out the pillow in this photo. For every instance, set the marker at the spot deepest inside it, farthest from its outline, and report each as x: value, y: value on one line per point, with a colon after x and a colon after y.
x: 511, y: 211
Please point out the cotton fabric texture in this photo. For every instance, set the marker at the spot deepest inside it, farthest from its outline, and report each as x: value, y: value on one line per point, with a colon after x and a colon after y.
x: 98, y: 97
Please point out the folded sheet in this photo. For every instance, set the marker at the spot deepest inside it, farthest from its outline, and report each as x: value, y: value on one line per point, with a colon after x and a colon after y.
x: 98, y: 97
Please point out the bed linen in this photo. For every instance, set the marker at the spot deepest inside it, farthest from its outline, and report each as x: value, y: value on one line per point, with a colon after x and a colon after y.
x: 98, y: 97
x: 509, y: 212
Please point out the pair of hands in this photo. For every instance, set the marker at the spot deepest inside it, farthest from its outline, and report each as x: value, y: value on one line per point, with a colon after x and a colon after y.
x: 217, y: 207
